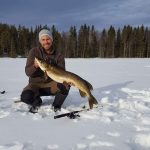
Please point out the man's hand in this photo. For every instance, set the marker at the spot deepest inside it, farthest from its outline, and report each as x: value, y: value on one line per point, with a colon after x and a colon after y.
x: 71, y: 84
x: 68, y: 84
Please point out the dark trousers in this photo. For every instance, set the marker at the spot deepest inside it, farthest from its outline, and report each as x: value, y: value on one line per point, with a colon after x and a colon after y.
x: 30, y: 96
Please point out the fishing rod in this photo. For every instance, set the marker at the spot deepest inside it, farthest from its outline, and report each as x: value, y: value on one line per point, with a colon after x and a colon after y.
x: 74, y: 114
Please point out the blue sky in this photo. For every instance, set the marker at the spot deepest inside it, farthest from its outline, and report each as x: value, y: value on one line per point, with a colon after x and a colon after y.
x: 65, y: 13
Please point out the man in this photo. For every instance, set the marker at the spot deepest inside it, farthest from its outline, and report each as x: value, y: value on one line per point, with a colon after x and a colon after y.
x: 32, y: 94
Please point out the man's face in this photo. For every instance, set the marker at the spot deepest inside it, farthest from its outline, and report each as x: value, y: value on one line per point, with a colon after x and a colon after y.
x: 46, y: 42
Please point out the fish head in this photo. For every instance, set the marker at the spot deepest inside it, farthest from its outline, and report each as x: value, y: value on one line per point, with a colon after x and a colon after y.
x: 42, y: 64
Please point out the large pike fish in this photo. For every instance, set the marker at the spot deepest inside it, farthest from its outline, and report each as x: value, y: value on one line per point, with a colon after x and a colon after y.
x: 62, y: 76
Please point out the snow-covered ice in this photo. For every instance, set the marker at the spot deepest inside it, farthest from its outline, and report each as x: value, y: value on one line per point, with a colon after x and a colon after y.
x: 121, y: 86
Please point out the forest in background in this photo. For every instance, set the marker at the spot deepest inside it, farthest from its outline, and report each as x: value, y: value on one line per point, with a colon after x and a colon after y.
x: 86, y: 42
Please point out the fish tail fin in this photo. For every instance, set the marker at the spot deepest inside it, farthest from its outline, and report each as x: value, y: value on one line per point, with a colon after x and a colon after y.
x: 92, y: 101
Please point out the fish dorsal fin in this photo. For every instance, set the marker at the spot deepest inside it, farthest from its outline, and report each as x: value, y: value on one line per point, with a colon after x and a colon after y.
x: 82, y: 93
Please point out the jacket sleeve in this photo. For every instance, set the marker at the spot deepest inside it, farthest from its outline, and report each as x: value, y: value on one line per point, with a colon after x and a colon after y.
x: 61, y: 62
x: 29, y: 68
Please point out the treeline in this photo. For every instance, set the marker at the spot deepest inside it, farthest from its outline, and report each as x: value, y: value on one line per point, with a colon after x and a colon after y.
x: 86, y: 42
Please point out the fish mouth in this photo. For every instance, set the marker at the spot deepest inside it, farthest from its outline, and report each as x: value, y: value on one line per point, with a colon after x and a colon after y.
x: 40, y: 64
x: 38, y: 61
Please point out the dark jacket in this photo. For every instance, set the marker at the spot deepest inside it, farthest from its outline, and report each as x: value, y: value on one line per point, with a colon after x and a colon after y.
x: 36, y: 74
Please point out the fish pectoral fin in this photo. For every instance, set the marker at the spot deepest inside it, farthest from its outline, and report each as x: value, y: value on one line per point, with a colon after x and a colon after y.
x: 82, y: 93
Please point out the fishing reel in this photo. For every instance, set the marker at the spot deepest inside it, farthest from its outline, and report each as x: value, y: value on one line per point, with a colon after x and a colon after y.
x: 73, y: 115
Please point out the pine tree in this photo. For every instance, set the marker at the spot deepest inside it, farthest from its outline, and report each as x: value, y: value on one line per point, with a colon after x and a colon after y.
x: 64, y: 39
x: 118, y: 44
x: 72, y: 42
x: 111, y: 42
x: 102, y: 44
x: 83, y: 41
x: 147, y: 43
x: 93, y: 43
x: 141, y: 42
x: 80, y: 42
x: 12, y: 52
x: 56, y: 38
x: 5, y: 41
x: 127, y: 42
x: 87, y: 42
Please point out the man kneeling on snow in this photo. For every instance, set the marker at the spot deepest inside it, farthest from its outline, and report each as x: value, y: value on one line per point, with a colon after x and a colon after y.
x: 32, y: 94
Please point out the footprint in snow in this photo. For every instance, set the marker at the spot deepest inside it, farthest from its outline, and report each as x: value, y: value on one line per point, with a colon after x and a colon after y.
x: 4, y: 114
x: 51, y: 147
x: 84, y: 146
x: 113, y: 134
x: 15, y: 146
x: 90, y: 137
x: 90, y: 115
x: 81, y: 146
x: 20, y: 107
x: 145, y: 120
x: 139, y: 128
x: 20, y: 146
x: 96, y: 144
x: 143, y: 140
x: 43, y: 111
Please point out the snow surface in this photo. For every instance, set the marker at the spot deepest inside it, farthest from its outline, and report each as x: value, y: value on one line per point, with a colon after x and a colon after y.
x: 122, y: 86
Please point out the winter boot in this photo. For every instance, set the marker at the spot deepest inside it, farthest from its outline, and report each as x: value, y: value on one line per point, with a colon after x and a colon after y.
x: 35, y: 105
x: 37, y: 101
x: 33, y: 109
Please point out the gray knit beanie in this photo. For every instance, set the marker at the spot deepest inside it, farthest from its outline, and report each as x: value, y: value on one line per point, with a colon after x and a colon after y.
x: 45, y: 32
